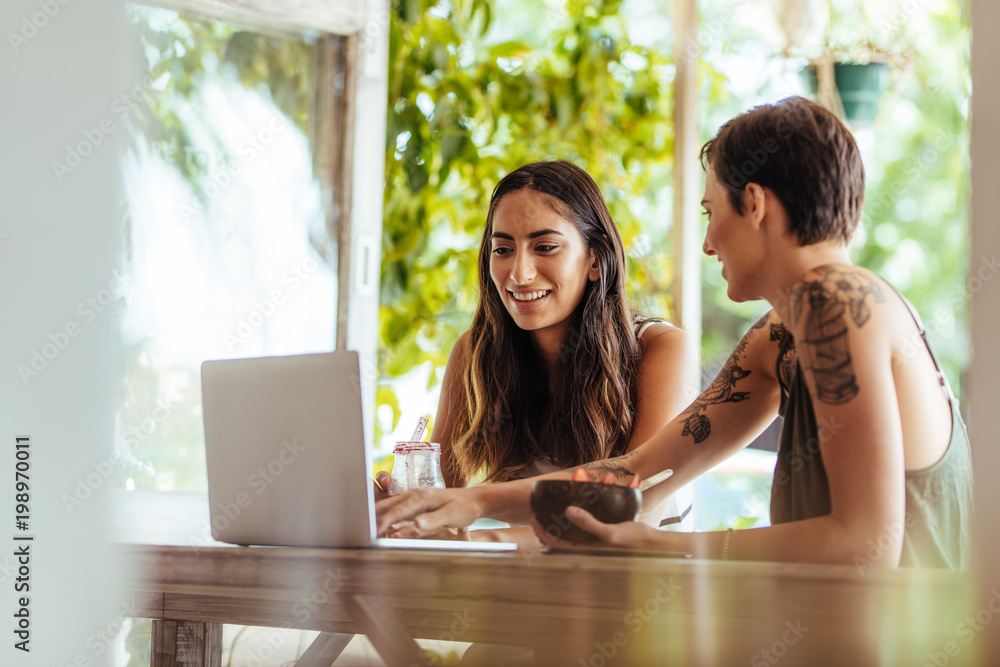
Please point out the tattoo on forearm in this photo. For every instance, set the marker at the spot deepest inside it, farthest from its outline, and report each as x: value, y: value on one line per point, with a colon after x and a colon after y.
x: 616, y: 466
x: 698, y: 425
x: 831, y: 297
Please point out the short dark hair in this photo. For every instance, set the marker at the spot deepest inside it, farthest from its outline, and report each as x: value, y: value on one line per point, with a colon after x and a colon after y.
x: 805, y: 155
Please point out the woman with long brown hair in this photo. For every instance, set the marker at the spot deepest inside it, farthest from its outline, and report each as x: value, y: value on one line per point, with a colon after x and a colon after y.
x: 557, y: 370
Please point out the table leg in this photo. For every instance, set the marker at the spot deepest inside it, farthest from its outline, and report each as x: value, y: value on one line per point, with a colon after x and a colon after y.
x: 326, y: 648
x: 186, y: 644
x: 387, y: 634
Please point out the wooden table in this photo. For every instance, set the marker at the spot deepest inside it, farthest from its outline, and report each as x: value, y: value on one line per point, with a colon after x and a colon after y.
x: 574, y: 610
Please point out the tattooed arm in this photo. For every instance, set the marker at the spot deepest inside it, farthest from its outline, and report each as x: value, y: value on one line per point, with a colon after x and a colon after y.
x: 843, y: 328
x: 843, y: 332
x: 735, y: 408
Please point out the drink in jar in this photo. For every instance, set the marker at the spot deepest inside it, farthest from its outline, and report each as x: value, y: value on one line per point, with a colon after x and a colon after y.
x: 416, y: 465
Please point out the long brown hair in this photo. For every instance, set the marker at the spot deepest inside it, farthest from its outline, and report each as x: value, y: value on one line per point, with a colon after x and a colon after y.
x: 509, y: 416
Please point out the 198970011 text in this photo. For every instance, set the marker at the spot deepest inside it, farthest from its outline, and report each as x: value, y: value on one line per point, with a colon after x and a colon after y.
x: 22, y: 543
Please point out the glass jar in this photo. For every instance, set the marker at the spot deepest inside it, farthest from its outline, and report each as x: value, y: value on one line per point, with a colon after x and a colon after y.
x: 416, y: 465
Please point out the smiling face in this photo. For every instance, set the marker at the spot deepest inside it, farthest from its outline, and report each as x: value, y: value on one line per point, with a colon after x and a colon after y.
x: 539, y: 263
x: 730, y: 239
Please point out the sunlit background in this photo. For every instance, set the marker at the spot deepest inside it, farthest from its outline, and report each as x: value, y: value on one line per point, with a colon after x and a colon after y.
x: 228, y: 254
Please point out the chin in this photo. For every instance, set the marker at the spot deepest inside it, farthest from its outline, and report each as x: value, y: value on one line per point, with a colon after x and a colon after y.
x: 522, y: 322
x: 736, y: 296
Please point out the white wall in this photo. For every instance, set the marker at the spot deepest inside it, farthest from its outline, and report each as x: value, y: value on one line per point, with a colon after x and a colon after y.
x: 985, y: 293
x: 59, y: 76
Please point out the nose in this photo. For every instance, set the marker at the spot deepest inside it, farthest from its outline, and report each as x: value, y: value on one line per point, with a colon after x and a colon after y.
x: 707, y: 249
x: 523, y: 270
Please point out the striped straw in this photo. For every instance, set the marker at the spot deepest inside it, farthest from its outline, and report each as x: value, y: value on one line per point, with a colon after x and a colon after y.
x: 418, y: 433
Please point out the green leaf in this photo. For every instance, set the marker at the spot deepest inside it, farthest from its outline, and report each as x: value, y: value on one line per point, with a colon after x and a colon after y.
x: 384, y: 395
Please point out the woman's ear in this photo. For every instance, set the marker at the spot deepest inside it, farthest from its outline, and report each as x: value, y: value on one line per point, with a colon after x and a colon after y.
x: 595, y: 270
x: 755, y: 203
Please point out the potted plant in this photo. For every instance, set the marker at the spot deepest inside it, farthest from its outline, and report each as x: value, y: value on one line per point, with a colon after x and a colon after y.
x: 852, y: 87
x: 849, y: 70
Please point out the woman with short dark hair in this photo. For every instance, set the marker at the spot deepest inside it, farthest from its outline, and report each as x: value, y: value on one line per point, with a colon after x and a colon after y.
x: 874, y: 467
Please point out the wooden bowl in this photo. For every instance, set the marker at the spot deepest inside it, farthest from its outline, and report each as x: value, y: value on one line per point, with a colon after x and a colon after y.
x: 609, y: 503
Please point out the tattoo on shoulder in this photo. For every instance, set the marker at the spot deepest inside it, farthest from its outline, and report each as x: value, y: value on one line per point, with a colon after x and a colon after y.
x: 697, y: 425
x: 832, y: 297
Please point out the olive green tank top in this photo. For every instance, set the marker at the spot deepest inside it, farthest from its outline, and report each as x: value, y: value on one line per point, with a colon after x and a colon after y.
x: 936, y: 531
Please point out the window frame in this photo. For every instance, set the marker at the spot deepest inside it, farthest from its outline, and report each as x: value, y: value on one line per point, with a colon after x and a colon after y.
x: 349, y: 44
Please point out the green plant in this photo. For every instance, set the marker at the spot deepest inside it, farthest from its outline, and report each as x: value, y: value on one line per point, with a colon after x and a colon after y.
x: 914, y: 229
x: 138, y: 641
x: 464, y: 112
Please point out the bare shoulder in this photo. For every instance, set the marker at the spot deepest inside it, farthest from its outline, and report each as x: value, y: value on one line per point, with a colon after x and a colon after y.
x: 668, y: 352
x: 461, y: 350
x: 661, y: 337
x: 843, y: 320
x: 849, y: 294
x: 463, y: 339
x: 665, y: 383
x: 458, y: 361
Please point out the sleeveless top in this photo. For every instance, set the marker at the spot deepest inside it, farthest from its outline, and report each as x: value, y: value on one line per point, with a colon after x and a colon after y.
x: 543, y: 465
x: 936, y: 530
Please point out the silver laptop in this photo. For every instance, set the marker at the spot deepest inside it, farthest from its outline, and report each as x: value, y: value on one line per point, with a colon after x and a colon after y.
x: 288, y: 464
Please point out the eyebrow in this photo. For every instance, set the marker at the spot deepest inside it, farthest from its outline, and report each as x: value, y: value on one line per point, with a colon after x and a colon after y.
x: 532, y: 235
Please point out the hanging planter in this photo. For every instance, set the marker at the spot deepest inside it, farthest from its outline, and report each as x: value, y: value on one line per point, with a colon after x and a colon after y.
x: 849, y: 69
x: 859, y: 87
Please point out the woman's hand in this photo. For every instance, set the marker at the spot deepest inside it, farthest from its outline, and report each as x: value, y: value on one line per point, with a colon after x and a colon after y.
x: 407, y: 530
x: 626, y: 535
x: 380, y: 487
x: 431, y: 510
